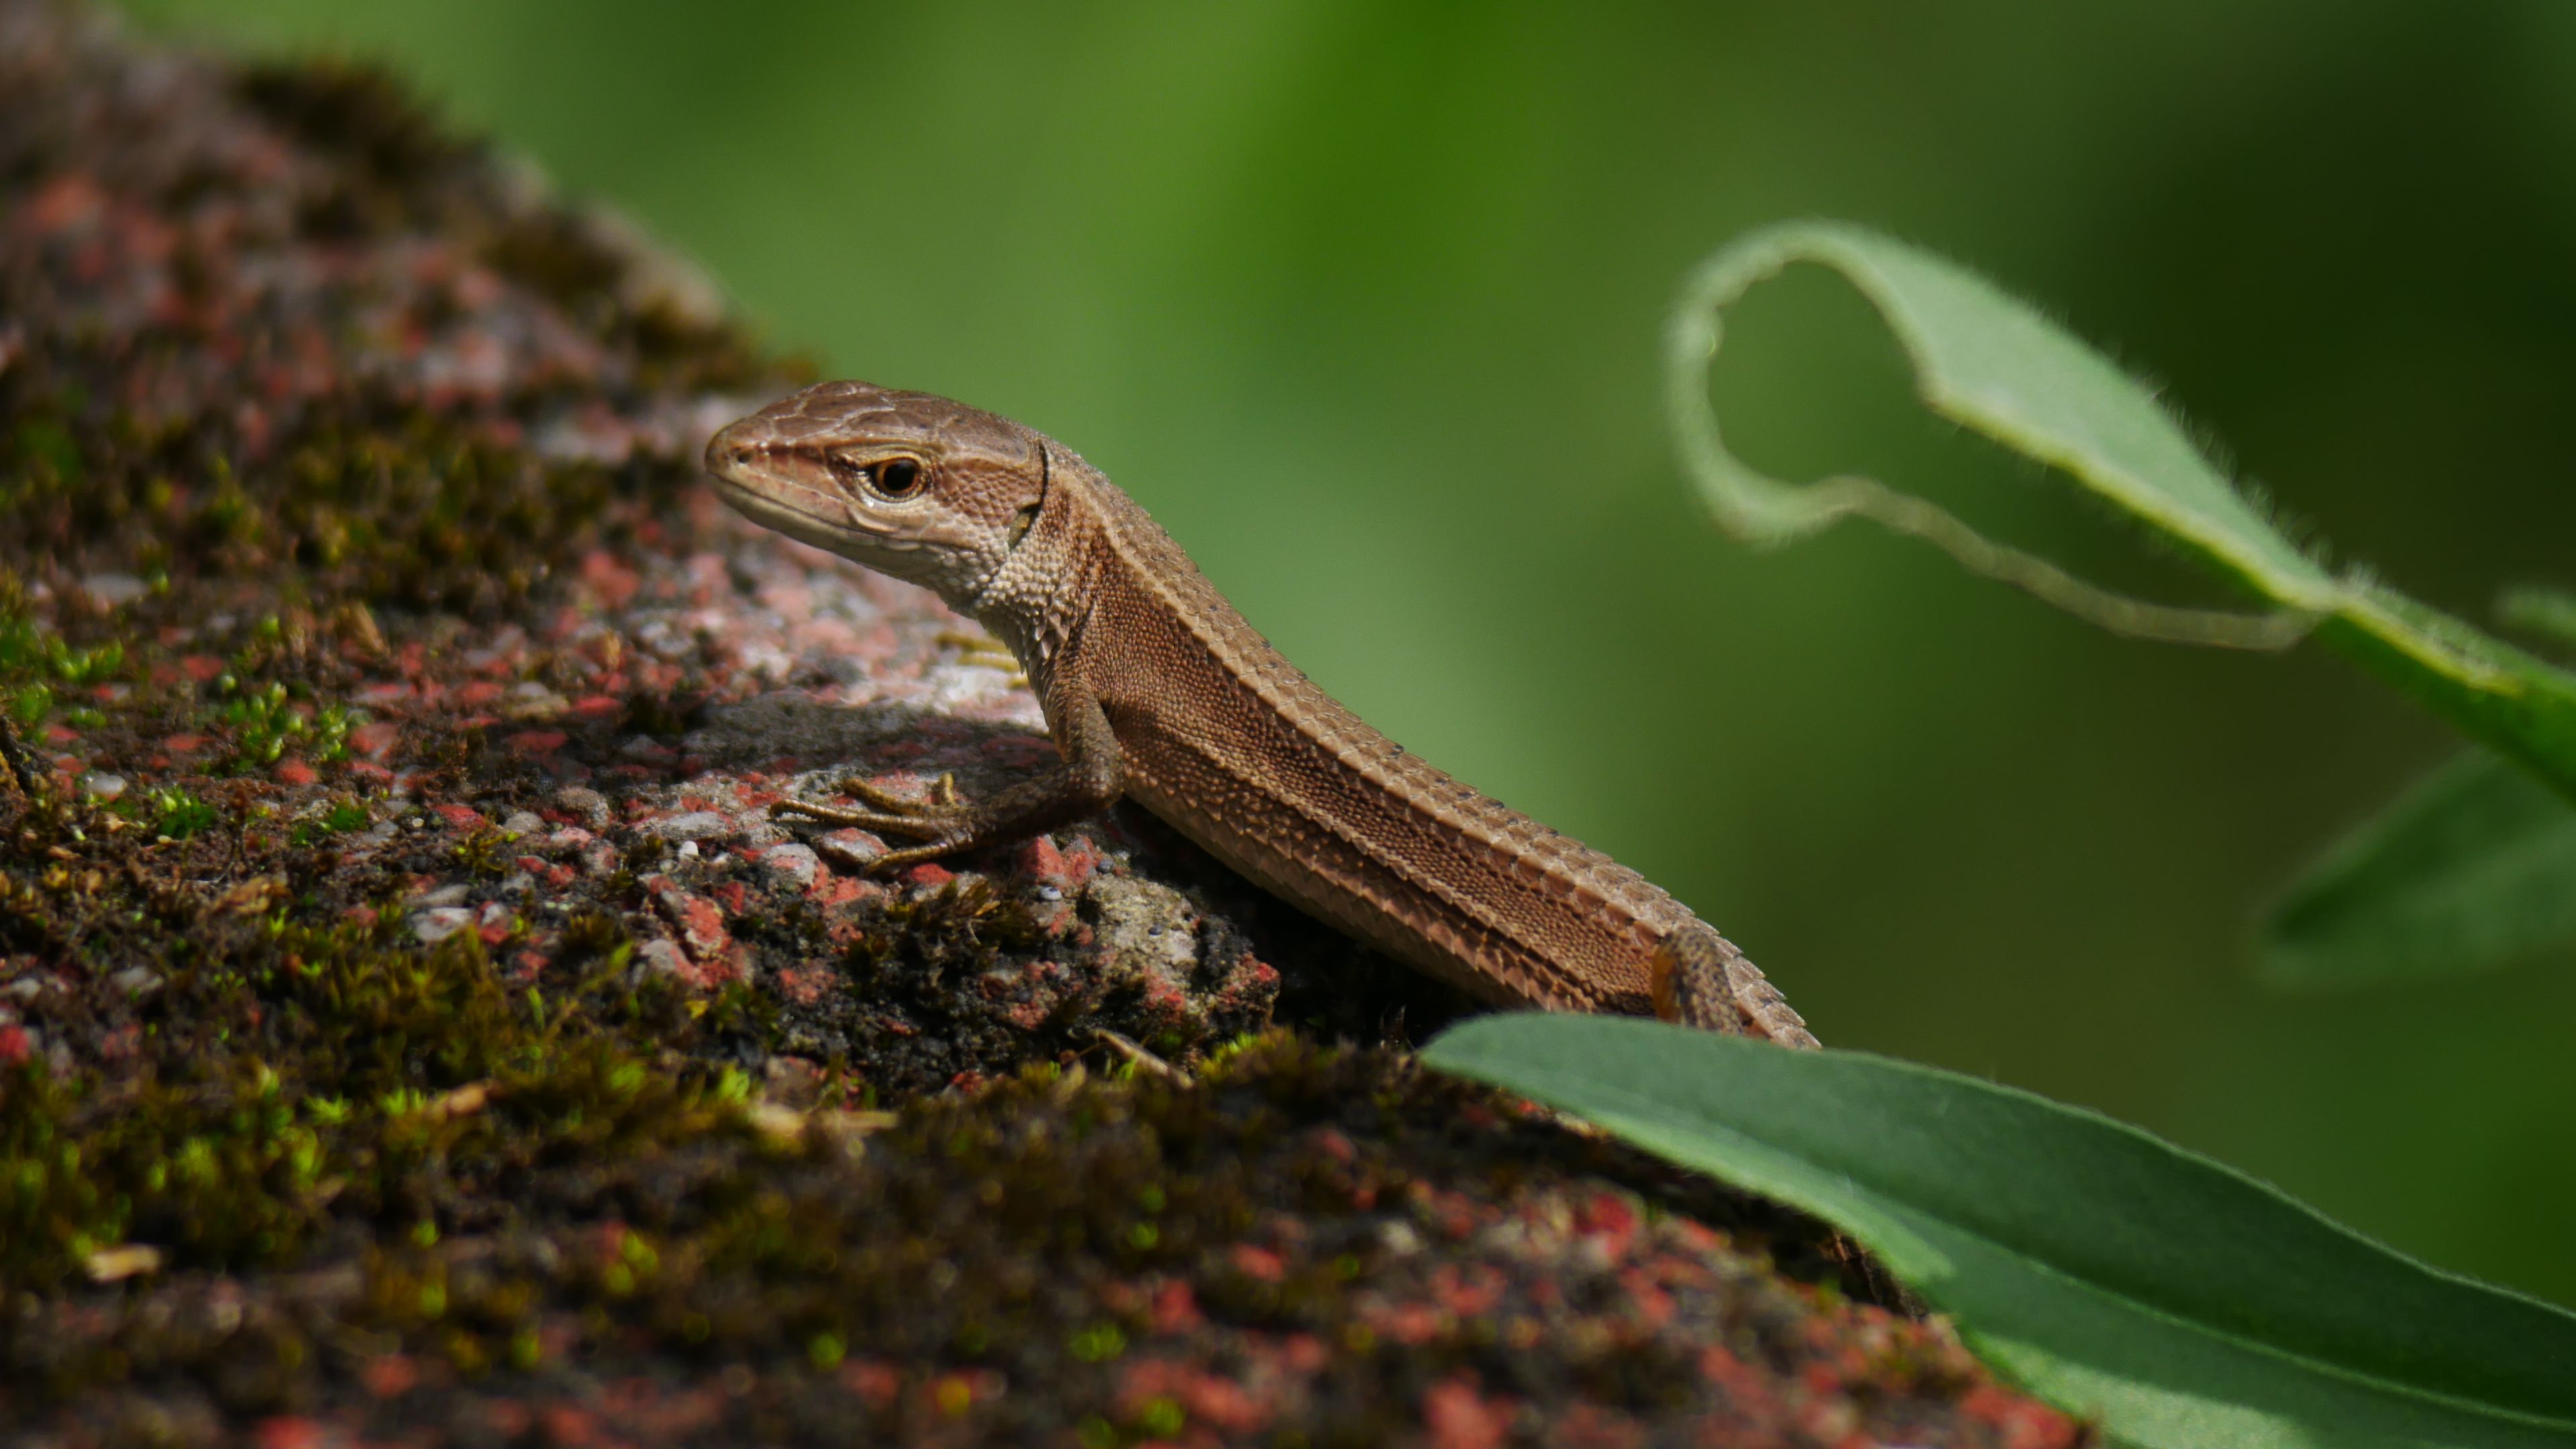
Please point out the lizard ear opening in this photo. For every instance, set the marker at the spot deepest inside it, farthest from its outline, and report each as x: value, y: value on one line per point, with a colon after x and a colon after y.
x: 1021, y: 523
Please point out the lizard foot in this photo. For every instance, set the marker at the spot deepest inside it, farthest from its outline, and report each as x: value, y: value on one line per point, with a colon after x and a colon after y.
x: 942, y: 823
x: 1700, y: 979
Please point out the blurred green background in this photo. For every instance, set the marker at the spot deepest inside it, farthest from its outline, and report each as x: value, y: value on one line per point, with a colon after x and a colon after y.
x: 1363, y: 301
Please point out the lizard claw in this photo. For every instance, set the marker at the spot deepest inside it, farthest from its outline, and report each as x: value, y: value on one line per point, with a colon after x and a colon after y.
x: 938, y: 823
x: 910, y: 855
x: 943, y: 796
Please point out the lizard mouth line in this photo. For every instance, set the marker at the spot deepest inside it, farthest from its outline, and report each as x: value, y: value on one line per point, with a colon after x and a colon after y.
x: 761, y: 505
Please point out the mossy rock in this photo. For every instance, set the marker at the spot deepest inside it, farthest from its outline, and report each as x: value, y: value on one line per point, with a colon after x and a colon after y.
x: 414, y: 1025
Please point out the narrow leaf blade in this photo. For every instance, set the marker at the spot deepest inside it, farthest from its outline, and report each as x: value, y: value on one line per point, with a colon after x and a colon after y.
x: 2473, y: 869
x: 2116, y: 1275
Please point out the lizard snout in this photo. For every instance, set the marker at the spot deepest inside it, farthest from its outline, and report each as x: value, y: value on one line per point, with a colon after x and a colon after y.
x: 729, y: 450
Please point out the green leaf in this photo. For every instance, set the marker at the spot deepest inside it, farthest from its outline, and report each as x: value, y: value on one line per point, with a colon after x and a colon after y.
x: 2180, y: 1302
x: 2473, y: 868
x: 1995, y: 366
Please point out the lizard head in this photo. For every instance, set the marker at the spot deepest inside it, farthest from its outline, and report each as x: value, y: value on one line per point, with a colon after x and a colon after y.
x: 906, y: 483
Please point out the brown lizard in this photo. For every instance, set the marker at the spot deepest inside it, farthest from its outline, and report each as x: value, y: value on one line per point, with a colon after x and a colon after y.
x: 1154, y: 687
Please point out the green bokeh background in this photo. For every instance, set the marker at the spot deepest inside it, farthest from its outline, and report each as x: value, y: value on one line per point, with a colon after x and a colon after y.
x: 1363, y: 301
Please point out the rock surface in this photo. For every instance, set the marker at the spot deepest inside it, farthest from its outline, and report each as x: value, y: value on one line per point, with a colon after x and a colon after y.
x: 415, y: 1028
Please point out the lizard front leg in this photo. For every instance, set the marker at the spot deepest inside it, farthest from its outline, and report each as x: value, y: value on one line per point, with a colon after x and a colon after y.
x: 1087, y: 782
x: 1700, y: 979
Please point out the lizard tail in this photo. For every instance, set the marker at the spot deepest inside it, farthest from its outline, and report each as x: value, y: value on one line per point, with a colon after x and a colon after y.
x: 1700, y: 979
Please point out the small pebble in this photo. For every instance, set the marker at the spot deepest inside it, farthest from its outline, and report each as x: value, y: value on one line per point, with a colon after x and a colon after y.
x: 798, y: 863
x: 584, y: 804
x: 440, y: 922
x: 688, y: 850
x: 114, y: 589
x: 523, y: 822
x: 853, y: 848
x: 136, y: 981
x: 694, y: 826
x: 103, y: 786
x: 449, y: 895
x: 838, y: 667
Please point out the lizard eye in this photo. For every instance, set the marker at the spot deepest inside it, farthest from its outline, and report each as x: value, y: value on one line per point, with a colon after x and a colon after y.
x: 898, y: 479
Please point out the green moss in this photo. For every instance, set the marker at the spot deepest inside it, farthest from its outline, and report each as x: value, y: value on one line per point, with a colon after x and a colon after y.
x: 932, y: 939
x: 174, y: 812
x: 743, y: 1019
x: 364, y: 498
x: 30, y: 703
x: 32, y: 654
x: 338, y: 818
x: 227, y: 1152
x: 1161, y: 1418
x: 485, y: 851
x: 43, y: 676
x: 261, y: 722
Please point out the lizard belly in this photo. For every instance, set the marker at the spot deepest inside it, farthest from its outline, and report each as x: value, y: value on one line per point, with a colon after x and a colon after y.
x: 1473, y: 907
x: 1338, y: 899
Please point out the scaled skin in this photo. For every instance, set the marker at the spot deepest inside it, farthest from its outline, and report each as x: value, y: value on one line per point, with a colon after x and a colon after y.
x: 1156, y: 688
